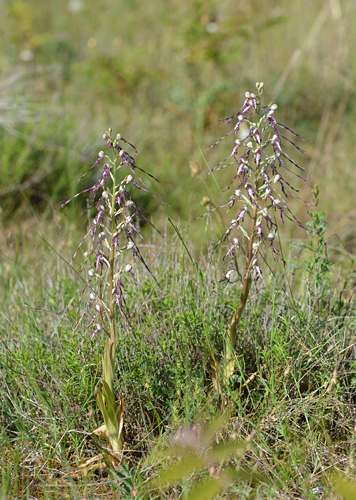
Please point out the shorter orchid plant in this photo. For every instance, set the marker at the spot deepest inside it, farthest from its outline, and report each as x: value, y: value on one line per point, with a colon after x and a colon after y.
x: 113, y: 253
x: 259, y: 199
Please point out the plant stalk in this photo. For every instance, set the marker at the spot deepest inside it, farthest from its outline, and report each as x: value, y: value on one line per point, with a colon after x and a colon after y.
x: 229, y: 363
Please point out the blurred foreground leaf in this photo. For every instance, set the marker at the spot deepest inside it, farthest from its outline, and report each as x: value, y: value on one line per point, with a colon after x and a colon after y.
x: 344, y: 487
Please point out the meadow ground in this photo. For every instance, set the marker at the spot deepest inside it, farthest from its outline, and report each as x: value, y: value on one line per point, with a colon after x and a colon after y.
x: 164, y: 75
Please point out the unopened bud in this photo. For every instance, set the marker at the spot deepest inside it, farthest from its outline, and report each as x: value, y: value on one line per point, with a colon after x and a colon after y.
x: 129, y: 179
x: 92, y: 296
x: 91, y: 273
x: 101, y: 154
x: 232, y: 276
x: 127, y: 268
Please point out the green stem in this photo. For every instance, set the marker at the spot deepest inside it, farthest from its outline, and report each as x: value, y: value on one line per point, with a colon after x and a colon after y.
x: 112, y: 261
x: 234, y: 323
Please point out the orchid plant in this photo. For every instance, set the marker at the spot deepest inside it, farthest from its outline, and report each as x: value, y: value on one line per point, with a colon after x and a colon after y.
x: 259, y: 201
x: 113, y: 253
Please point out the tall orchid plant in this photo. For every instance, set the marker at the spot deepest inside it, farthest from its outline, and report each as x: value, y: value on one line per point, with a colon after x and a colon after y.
x: 113, y: 234
x: 260, y: 198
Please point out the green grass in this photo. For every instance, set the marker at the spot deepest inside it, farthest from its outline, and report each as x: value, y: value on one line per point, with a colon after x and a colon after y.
x: 297, y: 407
x: 165, y: 81
x: 163, y: 77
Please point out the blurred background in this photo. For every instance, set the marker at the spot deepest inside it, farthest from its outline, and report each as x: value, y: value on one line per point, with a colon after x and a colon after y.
x: 163, y: 73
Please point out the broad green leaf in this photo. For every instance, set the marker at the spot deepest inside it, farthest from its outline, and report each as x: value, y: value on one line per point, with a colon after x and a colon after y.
x: 229, y: 368
x: 206, y: 490
x: 214, y: 427
x: 179, y: 471
x: 343, y: 487
x: 108, y: 363
x: 109, y: 397
x: 237, y: 475
x: 224, y: 451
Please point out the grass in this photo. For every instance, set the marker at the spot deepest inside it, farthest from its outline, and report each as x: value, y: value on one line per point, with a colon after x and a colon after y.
x: 164, y: 79
x: 292, y: 392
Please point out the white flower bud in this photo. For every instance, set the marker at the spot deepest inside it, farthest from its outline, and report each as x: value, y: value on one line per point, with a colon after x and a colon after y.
x: 97, y: 307
x: 127, y: 268
x: 129, y: 179
x: 237, y: 193
x: 97, y: 327
x: 91, y: 273
x: 255, y: 246
x: 247, y: 94
x: 277, y: 202
x: 271, y: 235
x: 105, y: 195
x: 240, y: 118
x: 101, y: 154
x: 118, y: 137
x: 130, y: 203
x: 130, y: 245
x: 92, y: 296
x: 273, y: 107
x: 250, y: 145
x: 276, y: 178
x: 232, y: 276
x: 252, y: 95
x: 265, y: 212
x: 122, y: 152
x: 235, y: 242
x: 238, y: 142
